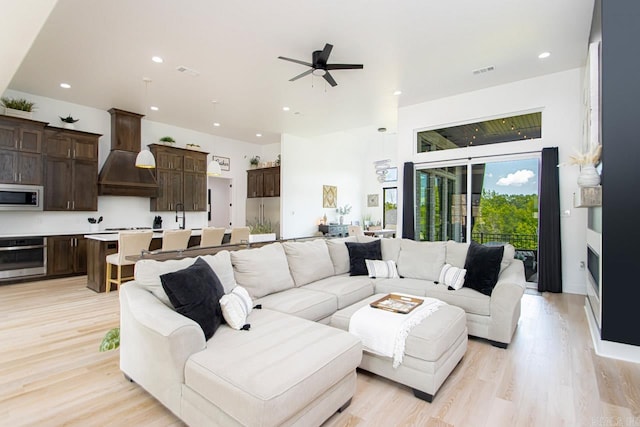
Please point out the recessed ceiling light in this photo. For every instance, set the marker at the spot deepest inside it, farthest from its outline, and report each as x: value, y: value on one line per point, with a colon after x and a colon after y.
x: 285, y: 108
x: 216, y: 124
x: 157, y: 59
x: 544, y: 55
x: 65, y: 85
x: 398, y: 92
x: 154, y: 108
x: 258, y: 135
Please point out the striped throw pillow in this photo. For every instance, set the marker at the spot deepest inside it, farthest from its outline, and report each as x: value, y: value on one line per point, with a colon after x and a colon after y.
x: 452, y: 276
x: 236, y: 306
x: 381, y: 269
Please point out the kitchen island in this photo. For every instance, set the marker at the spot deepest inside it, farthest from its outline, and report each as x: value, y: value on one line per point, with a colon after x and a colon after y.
x: 103, y: 244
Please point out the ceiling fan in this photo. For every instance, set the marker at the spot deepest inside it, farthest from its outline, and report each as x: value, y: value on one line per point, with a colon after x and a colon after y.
x: 319, y: 66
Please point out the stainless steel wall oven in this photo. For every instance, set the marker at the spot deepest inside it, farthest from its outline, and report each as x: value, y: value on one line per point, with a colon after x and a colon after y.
x: 22, y: 257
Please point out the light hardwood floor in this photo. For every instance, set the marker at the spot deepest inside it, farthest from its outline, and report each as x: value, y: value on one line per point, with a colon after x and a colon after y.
x: 52, y: 374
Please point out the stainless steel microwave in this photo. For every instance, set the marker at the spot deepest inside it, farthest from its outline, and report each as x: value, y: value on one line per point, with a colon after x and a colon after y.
x: 15, y: 197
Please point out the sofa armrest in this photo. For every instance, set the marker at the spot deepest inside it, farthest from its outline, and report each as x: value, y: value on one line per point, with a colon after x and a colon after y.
x: 155, y: 343
x: 505, y: 302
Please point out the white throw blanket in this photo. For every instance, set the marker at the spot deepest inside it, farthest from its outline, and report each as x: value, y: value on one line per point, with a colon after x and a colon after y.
x: 384, y: 333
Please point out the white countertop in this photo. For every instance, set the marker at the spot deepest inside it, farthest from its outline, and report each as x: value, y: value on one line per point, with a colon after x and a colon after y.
x: 112, y: 236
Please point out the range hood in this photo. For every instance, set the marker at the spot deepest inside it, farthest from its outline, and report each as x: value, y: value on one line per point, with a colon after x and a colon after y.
x: 119, y: 175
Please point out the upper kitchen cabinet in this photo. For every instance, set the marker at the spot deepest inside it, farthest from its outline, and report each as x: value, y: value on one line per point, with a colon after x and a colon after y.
x: 71, y: 170
x: 182, y: 178
x: 20, y: 151
x: 264, y: 182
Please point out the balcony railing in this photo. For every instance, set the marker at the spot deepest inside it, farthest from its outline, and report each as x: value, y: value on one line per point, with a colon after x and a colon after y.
x: 527, y: 242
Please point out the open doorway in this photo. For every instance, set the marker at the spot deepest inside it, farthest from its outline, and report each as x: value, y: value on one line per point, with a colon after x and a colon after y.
x: 220, y: 202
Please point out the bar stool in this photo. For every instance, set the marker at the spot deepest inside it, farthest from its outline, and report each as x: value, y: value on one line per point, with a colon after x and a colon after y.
x: 240, y: 235
x: 355, y: 230
x: 129, y: 243
x: 211, y: 236
x: 175, y: 240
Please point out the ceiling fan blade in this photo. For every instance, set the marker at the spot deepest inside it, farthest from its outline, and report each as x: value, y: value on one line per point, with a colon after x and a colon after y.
x: 344, y: 66
x: 324, y: 55
x: 301, y: 75
x: 328, y: 78
x: 297, y: 61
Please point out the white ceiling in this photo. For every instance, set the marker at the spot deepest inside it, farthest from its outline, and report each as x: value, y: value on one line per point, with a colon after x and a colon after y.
x: 426, y: 49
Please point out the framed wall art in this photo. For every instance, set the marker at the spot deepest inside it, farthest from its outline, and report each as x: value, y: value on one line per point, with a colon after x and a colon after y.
x: 329, y: 196
x: 224, y: 162
x: 372, y: 200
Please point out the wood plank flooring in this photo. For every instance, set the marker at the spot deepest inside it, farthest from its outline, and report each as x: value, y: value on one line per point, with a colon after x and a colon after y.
x: 51, y: 372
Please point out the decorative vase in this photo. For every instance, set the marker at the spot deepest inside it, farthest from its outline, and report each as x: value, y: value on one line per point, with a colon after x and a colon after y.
x: 341, y: 219
x: 68, y: 126
x: 588, y: 176
x: 18, y: 113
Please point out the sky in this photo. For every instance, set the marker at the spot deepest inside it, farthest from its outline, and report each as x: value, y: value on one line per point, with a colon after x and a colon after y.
x: 512, y: 177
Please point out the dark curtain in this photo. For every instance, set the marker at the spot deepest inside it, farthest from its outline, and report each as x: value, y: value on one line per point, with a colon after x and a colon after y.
x: 549, y: 250
x: 408, y: 209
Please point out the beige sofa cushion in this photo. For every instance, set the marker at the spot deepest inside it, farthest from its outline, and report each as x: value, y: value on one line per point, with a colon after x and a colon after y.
x: 421, y: 260
x: 262, y: 376
x: 147, y: 272
x: 390, y: 249
x: 308, y: 261
x: 340, y: 254
x: 456, y: 253
x: 348, y: 289
x: 470, y: 300
x: 301, y: 302
x: 262, y: 271
x: 416, y: 287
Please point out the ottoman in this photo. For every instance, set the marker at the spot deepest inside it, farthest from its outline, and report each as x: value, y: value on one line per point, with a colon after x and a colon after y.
x: 432, y: 350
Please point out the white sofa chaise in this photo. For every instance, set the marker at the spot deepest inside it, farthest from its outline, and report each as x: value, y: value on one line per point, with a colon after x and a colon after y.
x: 289, y: 368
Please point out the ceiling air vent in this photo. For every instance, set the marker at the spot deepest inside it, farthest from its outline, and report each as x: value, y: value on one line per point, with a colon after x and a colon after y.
x: 188, y: 71
x: 484, y: 70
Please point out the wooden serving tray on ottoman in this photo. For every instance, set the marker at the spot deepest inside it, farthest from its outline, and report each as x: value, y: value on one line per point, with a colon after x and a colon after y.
x: 397, y: 303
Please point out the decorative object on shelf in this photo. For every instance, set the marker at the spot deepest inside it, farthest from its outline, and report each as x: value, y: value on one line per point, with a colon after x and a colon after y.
x: 18, y: 107
x: 213, y: 168
x: 372, y: 200
x: 342, y: 211
x: 224, y: 162
x: 324, y: 219
x: 145, y: 159
x: 329, y: 196
x: 588, y: 161
x: 68, y: 122
x: 588, y: 197
x: 157, y: 222
x: 278, y: 160
x: 193, y: 146
x: 254, y: 161
x: 167, y: 140
x: 111, y: 340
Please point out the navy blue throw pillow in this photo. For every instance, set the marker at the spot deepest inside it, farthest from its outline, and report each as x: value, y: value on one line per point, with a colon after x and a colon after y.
x: 358, y: 252
x: 483, y: 267
x: 195, y: 292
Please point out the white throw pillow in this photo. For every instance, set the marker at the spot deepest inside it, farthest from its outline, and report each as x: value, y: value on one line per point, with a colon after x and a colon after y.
x: 452, y: 276
x: 236, y: 306
x: 381, y: 269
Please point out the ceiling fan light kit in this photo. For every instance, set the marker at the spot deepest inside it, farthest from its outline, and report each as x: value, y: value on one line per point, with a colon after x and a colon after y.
x: 319, y: 66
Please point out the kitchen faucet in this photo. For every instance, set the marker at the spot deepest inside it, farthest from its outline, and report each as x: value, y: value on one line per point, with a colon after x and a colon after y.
x: 178, y: 206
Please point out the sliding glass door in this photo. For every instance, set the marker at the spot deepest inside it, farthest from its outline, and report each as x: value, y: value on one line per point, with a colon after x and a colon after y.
x: 490, y: 201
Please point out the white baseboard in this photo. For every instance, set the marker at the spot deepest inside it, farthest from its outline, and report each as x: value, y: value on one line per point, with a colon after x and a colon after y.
x: 574, y: 288
x: 614, y: 350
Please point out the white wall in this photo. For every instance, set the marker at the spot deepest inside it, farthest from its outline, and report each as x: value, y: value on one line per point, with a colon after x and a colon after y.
x: 342, y: 159
x: 559, y: 97
x: 128, y: 211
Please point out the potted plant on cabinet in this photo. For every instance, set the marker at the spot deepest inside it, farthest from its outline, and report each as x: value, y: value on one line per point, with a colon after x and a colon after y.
x: 254, y: 162
x: 18, y: 107
x: 167, y: 140
x: 261, y: 231
x: 67, y: 122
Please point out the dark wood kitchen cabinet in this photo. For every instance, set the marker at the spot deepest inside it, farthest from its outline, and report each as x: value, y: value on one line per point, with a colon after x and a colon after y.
x: 264, y: 182
x: 20, y: 151
x: 182, y: 178
x: 71, y: 170
x: 66, y: 255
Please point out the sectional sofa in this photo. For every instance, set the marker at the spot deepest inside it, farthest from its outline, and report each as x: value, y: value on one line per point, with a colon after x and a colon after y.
x: 290, y: 368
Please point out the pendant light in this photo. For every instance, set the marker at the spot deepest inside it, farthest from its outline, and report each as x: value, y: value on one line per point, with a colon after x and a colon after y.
x: 382, y: 166
x: 145, y: 159
x: 213, y: 168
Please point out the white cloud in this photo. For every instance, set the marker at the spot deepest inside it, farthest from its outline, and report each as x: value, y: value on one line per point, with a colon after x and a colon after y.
x: 517, y: 179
